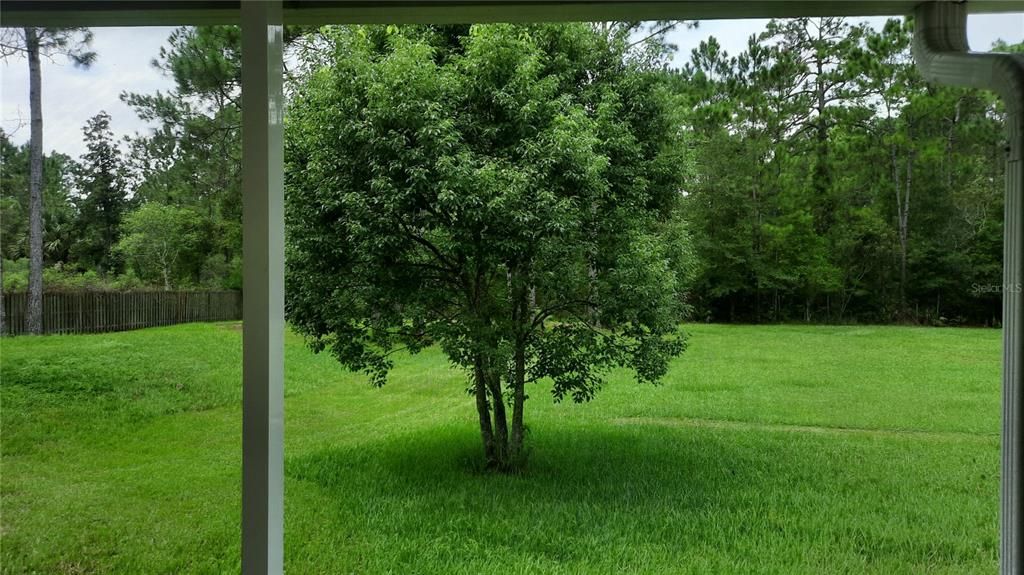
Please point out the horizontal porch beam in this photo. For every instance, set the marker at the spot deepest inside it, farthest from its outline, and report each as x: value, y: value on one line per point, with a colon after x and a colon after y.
x: 16, y: 13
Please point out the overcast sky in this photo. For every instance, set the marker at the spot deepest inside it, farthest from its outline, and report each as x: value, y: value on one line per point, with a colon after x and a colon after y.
x: 71, y: 96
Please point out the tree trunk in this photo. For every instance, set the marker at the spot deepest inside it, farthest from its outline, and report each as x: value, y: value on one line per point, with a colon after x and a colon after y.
x: 522, y: 307
x: 518, y: 402
x: 905, y: 228
x: 3, y: 318
x: 500, y: 419
x: 592, y: 311
x: 950, y: 143
x: 902, y: 220
x: 821, y: 168
x: 486, y: 431
x: 34, y: 313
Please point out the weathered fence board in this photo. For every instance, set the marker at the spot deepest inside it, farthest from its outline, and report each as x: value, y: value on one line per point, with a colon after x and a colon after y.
x: 85, y: 312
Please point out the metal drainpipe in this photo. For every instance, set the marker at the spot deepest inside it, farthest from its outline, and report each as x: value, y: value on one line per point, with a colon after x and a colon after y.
x: 943, y: 56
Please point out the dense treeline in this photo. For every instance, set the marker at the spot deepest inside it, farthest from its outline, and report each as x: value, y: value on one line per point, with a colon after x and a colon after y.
x: 831, y: 183
x: 162, y: 210
x: 825, y: 181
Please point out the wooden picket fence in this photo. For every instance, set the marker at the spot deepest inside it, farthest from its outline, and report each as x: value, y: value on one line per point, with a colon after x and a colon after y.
x: 97, y: 311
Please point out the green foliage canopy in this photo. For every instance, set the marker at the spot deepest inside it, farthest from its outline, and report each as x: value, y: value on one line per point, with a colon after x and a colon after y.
x: 499, y: 190
x: 156, y: 237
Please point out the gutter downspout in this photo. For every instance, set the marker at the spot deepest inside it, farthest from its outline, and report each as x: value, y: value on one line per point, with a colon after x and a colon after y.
x: 943, y: 56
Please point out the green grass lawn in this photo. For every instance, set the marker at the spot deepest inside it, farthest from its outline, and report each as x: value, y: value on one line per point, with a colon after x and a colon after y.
x: 767, y: 450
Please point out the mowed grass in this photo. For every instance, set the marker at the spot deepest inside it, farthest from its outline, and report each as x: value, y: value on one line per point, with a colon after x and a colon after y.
x: 783, y: 449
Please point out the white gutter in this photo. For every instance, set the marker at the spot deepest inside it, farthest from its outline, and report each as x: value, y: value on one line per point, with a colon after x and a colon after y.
x: 943, y: 56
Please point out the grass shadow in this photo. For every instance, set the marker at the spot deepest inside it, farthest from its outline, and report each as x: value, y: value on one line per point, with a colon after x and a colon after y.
x: 652, y: 492
x: 607, y: 466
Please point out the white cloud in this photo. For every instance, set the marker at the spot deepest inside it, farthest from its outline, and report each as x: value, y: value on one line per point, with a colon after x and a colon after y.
x: 71, y: 96
x: 984, y: 29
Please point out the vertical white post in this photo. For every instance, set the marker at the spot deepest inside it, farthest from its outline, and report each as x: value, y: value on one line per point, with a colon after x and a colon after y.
x: 1011, y: 552
x: 263, y: 289
x: 942, y: 54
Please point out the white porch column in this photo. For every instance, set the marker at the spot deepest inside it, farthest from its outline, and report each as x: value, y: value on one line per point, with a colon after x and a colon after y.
x: 263, y: 289
x: 942, y: 54
x: 1011, y: 547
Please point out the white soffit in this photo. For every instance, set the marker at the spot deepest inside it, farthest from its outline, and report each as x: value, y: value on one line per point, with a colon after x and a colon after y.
x: 318, y: 12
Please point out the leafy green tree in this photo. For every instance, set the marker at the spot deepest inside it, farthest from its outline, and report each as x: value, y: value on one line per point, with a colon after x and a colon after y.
x: 193, y: 157
x: 889, y: 77
x: 821, y: 91
x: 749, y: 200
x: 499, y: 190
x: 103, y: 200
x: 155, y: 238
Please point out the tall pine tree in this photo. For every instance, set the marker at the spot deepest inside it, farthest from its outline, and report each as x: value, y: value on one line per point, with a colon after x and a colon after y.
x: 103, y: 198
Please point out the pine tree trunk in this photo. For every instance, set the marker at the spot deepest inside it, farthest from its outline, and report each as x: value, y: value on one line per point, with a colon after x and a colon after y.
x: 34, y: 313
x: 821, y: 174
x: 3, y: 317
x: 902, y: 205
x: 905, y: 229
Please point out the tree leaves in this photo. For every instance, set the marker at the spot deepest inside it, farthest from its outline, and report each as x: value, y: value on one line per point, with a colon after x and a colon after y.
x: 468, y: 187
